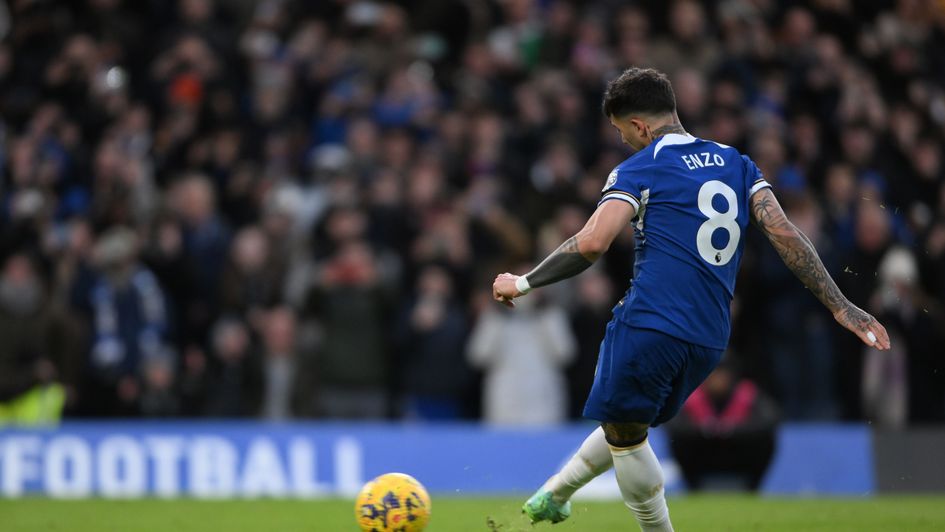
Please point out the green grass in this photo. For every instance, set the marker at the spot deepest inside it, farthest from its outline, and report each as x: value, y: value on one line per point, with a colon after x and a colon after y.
x: 711, y: 513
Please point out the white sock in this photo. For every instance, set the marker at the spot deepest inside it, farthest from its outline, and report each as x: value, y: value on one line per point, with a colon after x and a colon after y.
x: 641, y: 484
x: 592, y: 459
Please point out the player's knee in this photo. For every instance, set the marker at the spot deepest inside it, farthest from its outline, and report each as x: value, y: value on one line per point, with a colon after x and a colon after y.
x: 624, y: 435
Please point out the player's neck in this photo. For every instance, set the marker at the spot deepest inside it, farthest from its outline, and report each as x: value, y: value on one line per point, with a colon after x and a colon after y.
x: 666, y: 129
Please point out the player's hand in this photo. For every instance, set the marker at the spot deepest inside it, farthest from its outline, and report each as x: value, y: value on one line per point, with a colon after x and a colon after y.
x: 503, y: 289
x: 863, y: 325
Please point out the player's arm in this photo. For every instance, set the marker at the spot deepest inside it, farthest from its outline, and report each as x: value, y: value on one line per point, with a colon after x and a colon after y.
x: 572, y: 257
x: 799, y: 255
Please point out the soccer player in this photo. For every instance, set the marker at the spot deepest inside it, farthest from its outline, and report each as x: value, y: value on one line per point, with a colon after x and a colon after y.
x: 689, y: 200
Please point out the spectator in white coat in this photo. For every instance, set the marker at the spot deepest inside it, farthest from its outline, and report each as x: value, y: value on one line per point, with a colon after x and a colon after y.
x: 523, y: 354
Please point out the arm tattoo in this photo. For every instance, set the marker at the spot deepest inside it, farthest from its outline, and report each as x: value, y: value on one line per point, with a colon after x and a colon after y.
x: 566, y: 261
x: 799, y: 255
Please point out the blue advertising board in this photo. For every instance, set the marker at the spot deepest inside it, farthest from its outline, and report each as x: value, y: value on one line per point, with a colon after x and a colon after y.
x: 831, y: 459
x: 247, y: 459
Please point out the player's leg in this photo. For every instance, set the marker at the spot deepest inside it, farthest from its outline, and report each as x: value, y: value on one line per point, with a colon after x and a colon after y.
x: 591, y: 459
x: 666, y: 377
x: 639, y: 475
x: 637, y: 382
x: 550, y: 502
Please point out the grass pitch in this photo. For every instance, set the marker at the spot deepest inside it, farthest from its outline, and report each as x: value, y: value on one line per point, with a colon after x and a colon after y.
x: 696, y: 513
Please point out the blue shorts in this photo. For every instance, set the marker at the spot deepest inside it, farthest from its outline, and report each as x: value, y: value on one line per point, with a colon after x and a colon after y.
x: 645, y: 376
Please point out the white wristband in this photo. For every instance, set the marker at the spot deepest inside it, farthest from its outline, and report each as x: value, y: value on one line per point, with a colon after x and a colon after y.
x: 521, y: 284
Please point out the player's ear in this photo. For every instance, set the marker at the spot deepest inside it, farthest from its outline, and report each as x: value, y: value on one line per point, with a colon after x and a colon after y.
x: 643, y: 129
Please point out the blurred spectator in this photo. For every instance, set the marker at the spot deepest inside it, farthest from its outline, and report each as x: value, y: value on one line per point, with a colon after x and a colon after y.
x: 205, y: 238
x: 839, y: 204
x: 193, y: 380
x: 282, y: 379
x: 908, y: 383
x: 726, y: 428
x: 351, y: 301
x: 686, y: 45
x: 234, y: 376
x: 127, y: 312
x: 432, y: 333
x: 159, y: 398
x: 165, y: 255
x: 37, y: 348
x: 253, y: 278
x: 523, y: 353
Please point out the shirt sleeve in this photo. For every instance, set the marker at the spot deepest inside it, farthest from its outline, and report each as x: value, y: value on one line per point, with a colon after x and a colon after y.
x: 625, y: 185
x: 756, y: 181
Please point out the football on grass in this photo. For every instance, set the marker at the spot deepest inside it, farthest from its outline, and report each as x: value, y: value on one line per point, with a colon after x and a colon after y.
x: 393, y: 502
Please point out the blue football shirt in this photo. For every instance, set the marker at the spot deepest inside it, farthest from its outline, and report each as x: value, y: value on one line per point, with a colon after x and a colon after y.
x: 691, y: 197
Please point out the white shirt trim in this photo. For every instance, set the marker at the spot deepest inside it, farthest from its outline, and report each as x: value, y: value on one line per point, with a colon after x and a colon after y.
x: 672, y: 139
x: 760, y: 184
x: 623, y: 196
x: 720, y: 145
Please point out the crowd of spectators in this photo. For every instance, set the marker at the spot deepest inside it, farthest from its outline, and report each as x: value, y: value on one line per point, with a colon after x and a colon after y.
x: 284, y: 208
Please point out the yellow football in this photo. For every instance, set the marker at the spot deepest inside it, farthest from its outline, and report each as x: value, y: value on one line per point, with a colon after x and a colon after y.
x: 393, y: 502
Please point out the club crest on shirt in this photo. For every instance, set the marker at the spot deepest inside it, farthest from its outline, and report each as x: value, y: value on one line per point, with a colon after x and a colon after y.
x: 611, y: 180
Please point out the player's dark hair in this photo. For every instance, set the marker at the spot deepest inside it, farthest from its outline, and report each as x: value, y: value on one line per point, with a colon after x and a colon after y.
x: 639, y: 91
